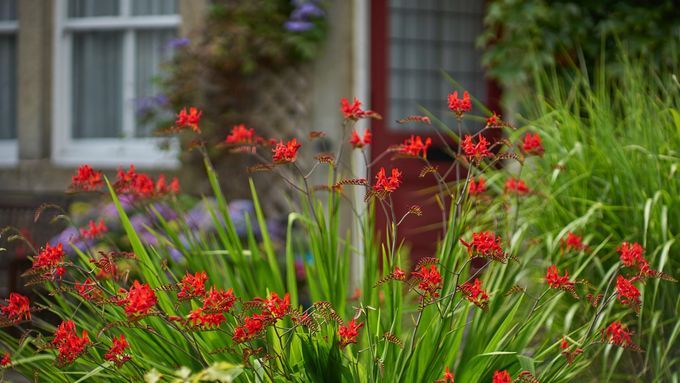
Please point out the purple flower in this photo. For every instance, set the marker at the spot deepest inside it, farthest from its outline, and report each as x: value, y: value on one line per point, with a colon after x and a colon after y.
x: 178, y: 42
x: 298, y: 26
x: 306, y: 11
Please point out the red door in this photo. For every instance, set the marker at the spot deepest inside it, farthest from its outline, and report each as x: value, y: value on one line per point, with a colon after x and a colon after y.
x: 412, y: 42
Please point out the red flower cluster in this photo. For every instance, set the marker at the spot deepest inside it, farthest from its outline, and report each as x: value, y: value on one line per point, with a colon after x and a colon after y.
x: 51, y: 259
x: 252, y: 327
x: 68, y: 343
x: 398, y: 274
x: 430, y: 280
x: 532, y: 144
x: 567, y: 352
x: 142, y: 185
x: 516, y: 186
x: 557, y: 281
x: 478, y: 187
x: 285, y: 152
x: 447, y: 378
x: 116, y: 353
x: 88, y: 289
x: 198, y: 317
x: 501, y: 377
x: 359, y: 142
x: 18, y: 308
x: 349, y: 333
x: 353, y: 111
x: 574, y: 242
x: 473, y: 292
x: 86, y: 179
x: 274, y: 306
x: 476, y: 151
x: 6, y: 361
x: 485, y: 244
x: 384, y: 184
x: 414, y: 146
x: 93, y: 230
x: 628, y: 294
x: 631, y: 256
x: 189, y: 120
x: 138, y: 301
x: 460, y: 106
x: 192, y: 286
x: 617, y: 334
x: 218, y: 301
x: 240, y: 135
x: 495, y: 121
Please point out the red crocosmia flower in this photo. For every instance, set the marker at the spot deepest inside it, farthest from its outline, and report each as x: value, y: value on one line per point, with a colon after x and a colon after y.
x: 567, y: 352
x: 574, y: 242
x: 384, y: 184
x: 198, y: 317
x: 631, y: 256
x: 251, y: 328
x: 460, y: 106
x: 414, y: 146
x: 192, y: 286
x: 68, y: 343
x: 93, y: 230
x: 189, y: 120
x: 430, y: 280
x: 494, y: 121
x: 532, y: 144
x: 516, y: 186
x: 217, y: 301
x: 476, y: 151
x: 6, y: 361
x: 617, y: 334
x: 139, y: 300
x: 241, y: 135
x: 627, y: 292
x: 398, y: 274
x: 359, y: 142
x: 18, y: 308
x: 353, y: 111
x: 51, y: 260
x: 275, y: 307
x: 285, y: 152
x: 477, y: 188
x: 88, y: 289
x: 87, y: 179
x: 349, y: 333
x: 472, y: 291
x: 162, y: 187
x: 116, y: 353
x: 448, y: 376
x: 501, y: 377
x: 557, y: 281
x: 485, y: 244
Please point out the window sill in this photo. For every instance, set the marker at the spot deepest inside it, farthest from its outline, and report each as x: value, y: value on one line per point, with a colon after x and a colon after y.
x: 115, y: 153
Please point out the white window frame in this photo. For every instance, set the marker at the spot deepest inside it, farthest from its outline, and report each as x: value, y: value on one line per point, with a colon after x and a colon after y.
x: 105, y: 152
x: 9, y: 148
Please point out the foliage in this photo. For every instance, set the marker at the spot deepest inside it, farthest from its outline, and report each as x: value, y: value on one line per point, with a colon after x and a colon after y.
x: 503, y: 297
x: 523, y: 36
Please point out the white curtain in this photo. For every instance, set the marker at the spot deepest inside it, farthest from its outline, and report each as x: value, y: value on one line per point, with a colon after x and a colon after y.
x: 97, y: 84
x: 93, y: 8
x: 154, y: 7
x: 427, y: 37
x: 152, y: 50
x: 8, y: 88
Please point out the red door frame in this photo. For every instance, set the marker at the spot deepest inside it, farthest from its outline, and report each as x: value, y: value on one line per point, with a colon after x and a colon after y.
x: 423, y: 242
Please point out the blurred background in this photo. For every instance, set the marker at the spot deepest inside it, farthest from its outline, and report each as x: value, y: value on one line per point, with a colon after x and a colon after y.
x: 95, y: 81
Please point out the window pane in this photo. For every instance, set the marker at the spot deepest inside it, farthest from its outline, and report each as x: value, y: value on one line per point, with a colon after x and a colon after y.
x: 8, y: 10
x: 153, y: 49
x: 97, y: 84
x: 426, y: 38
x: 8, y: 88
x: 154, y: 7
x: 93, y: 8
